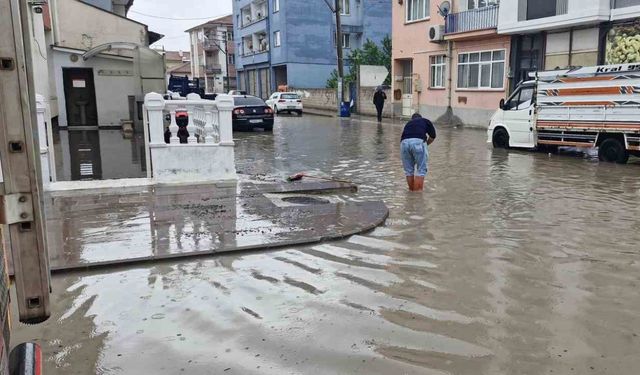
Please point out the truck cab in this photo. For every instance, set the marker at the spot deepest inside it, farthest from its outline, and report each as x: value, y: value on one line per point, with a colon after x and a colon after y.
x: 513, y: 124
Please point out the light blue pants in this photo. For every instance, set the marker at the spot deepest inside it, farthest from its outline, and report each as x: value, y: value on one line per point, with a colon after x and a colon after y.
x: 414, y: 157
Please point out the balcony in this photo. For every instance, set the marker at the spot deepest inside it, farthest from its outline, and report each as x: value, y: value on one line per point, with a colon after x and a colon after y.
x: 213, y: 68
x: 255, y: 44
x: 254, y: 13
x: 210, y: 45
x: 485, y: 18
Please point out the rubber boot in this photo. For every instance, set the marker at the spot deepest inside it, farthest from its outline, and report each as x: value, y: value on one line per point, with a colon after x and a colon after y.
x: 410, y: 182
x: 418, y: 183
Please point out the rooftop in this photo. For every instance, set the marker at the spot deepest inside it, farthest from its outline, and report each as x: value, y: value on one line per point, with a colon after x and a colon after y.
x: 224, y: 20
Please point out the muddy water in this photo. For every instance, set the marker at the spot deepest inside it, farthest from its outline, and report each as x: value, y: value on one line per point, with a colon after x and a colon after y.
x: 509, y: 263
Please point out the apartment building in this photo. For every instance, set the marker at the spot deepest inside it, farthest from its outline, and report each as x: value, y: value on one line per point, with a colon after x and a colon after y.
x: 213, y: 54
x: 554, y: 34
x: 455, y: 63
x: 286, y: 43
x: 450, y: 64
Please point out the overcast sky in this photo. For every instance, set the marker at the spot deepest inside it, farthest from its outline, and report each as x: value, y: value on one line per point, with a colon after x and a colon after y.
x: 188, y: 13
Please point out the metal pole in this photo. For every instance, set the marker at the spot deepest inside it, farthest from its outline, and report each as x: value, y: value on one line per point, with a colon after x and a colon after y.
x: 339, y: 51
x: 226, y: 56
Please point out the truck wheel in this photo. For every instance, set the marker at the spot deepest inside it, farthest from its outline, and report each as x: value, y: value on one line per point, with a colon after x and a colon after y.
x: 613, y: 151
x: 500, y: 138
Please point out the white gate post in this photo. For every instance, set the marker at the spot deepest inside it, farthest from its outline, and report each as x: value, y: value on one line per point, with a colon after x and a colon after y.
x: 225, y: 120
x: 154, y: 104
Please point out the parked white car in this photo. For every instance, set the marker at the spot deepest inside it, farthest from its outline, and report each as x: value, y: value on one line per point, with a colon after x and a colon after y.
x: 285, y: 102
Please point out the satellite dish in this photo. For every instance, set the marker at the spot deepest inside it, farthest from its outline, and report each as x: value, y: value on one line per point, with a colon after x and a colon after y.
x: 444, y: 8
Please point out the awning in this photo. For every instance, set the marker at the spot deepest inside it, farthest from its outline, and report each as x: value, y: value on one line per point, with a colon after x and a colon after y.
x: 154, y: 37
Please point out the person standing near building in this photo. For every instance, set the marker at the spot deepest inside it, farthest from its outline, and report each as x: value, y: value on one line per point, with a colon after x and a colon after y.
x: 378, y: 99
x: 416, y: 136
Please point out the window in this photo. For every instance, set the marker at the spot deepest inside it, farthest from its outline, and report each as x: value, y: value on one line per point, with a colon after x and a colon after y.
x: 437, y: 71
x: 520, y: 99
x: 626, y: 3
x: 345, y: 7
x: 535, y: 9
x: 481, y: 70
x: 229, y: 35
x: 417, y: 10
x: 621, y: 46
x: 477, y: 4
x: 276, y: 6
x: 248, y: 101
x: 232, y: 59
x: 346, y: 40
x: 276, y: 39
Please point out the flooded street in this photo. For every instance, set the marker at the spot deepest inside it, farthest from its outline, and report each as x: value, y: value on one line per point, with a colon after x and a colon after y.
x: 511, y: 262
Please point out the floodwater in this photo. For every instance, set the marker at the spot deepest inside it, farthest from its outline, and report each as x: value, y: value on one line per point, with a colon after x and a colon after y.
x: 98, y: 155
x: 510, y: 262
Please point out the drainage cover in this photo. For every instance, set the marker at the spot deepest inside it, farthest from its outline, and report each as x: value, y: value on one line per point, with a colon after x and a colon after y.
x: 305, y: 200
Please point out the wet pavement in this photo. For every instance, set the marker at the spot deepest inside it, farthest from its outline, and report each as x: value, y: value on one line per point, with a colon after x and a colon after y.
x: 117, y: 226
x: 511, y: 262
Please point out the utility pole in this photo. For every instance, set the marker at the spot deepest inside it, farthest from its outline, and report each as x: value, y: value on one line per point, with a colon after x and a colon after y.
x: 337, y: 11
x: 226, y: 56
x: 225, y: 51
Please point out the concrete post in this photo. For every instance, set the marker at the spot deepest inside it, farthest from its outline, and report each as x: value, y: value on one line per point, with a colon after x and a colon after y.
x: 208, y: 126
x: 154, y: 104
x: 41, y: 113
x: 191, y: 127
x: 225, y: 107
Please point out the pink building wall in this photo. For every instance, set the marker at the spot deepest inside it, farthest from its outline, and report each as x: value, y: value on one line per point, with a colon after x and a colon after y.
x: 472, y: 107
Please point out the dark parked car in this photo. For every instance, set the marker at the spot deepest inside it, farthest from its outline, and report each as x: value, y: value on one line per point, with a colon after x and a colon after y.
x: 251, y: 112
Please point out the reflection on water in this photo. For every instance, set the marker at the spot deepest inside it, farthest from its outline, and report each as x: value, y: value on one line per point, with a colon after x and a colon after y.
x: 98, y: 155
x: 510, y: 263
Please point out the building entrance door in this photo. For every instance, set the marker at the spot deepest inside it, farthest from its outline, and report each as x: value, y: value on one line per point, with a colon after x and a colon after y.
x: 407, y: 88
x: 80, y: 97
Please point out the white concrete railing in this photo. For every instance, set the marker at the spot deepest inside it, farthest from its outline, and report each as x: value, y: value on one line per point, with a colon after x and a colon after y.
x: 208, y: 155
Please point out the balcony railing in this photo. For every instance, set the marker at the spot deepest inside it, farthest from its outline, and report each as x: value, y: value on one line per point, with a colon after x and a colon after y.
x: 472, y: 20
x: 211, y: 45
x: 248, y: 20
x: 213, y: 68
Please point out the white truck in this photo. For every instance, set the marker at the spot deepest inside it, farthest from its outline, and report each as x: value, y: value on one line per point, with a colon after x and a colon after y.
x: 583, y: 107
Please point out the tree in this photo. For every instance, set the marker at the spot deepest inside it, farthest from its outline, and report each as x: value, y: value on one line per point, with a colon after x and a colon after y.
x: 369, y: 54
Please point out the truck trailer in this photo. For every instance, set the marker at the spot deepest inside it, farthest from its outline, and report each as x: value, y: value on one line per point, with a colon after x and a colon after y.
x: 583, y: 107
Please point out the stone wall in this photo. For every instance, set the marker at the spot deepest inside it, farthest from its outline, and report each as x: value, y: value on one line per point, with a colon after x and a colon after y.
x: 323, y: 99
x: 366, y: 106
x: 326, y: 99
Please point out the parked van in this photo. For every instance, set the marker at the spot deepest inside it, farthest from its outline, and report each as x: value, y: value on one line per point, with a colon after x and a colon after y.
x: 582, y: 107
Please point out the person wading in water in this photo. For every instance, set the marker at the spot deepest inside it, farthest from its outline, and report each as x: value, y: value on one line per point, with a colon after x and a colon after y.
x: 378, y: 99
x: 417, y: 135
